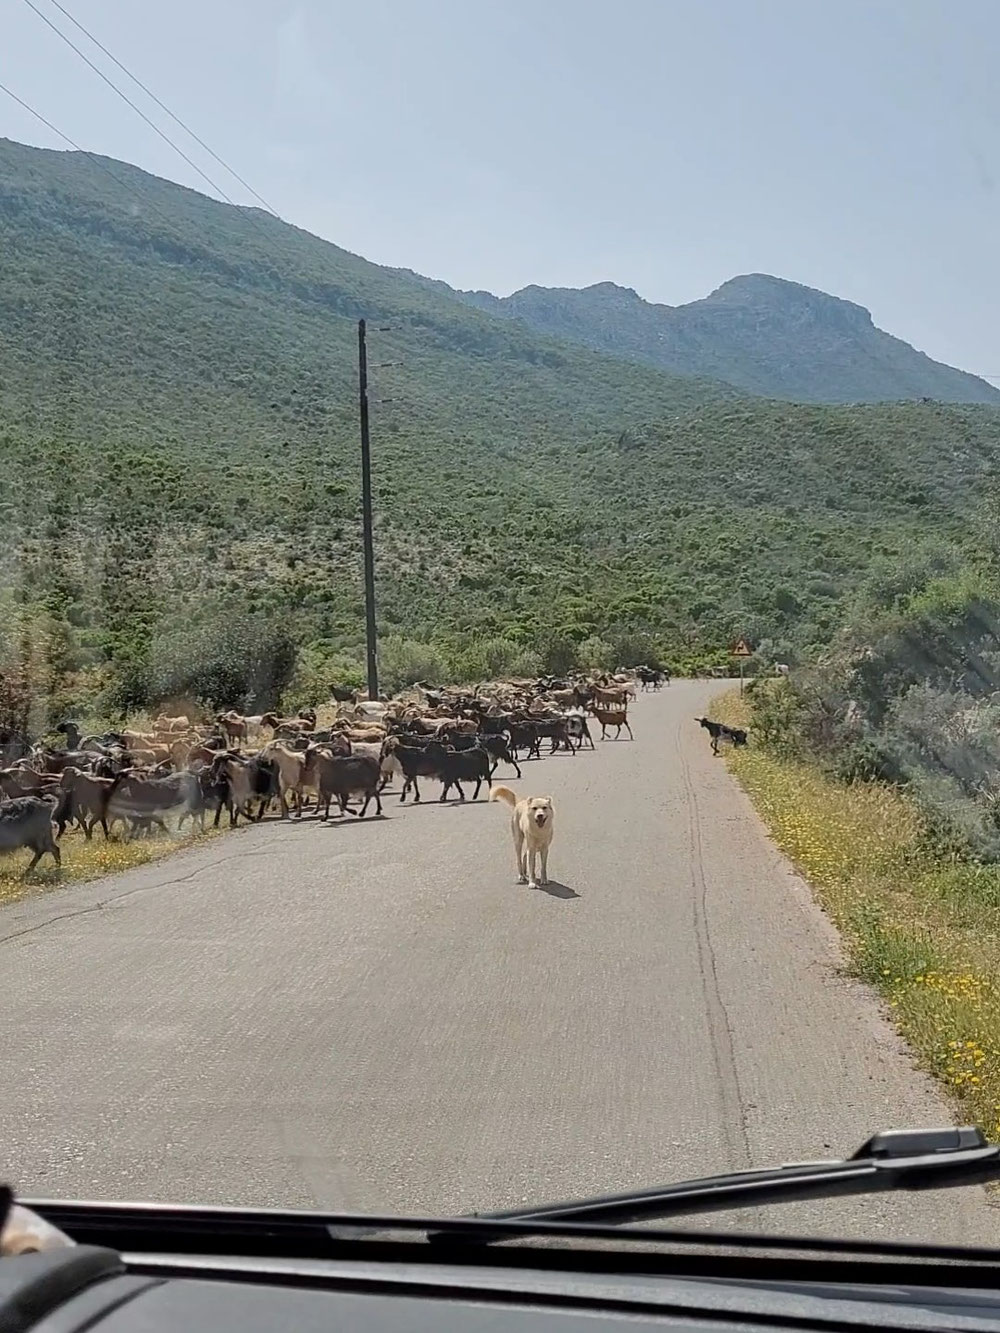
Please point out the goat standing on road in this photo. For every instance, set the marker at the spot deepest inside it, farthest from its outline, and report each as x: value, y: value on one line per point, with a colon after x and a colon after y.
x: 720, y: 732
x: 612, y: 717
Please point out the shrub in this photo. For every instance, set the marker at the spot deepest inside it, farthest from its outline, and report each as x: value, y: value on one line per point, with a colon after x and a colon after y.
x: 557, y: 653
x: 243, y: 662
x: 865, y: 760
x: 484, y: 659
x: 403, y: 662
x: 316, y: 670
x: 907, y: 696
x: 597, y: 654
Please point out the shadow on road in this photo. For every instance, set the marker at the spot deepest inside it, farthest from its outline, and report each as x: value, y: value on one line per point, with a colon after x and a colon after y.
x: 556, y: 890
x: 346, y: 821
x: 432, y: 803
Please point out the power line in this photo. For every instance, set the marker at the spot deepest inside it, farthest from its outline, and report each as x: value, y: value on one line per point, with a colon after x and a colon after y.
x: 47, y: 123
x: 163, y: 107
x: 128, y: 101
x: 97, y: 161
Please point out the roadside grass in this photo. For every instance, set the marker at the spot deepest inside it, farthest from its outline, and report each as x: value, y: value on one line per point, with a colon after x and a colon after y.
x: 921, y: 929
x: 82, y: 860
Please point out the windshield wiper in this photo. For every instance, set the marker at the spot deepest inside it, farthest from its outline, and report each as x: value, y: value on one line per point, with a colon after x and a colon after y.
x: 894, y: 1160
x: 897, y: 1159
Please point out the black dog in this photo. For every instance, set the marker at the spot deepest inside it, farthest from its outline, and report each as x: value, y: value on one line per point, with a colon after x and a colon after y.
x: 720, y: 732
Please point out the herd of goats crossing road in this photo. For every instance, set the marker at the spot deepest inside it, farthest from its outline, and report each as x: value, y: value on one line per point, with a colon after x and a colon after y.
x: 188, y: 768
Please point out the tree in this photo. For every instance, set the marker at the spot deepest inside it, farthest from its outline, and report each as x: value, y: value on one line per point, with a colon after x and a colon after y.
x: 558, y: 654
x: 243, y: 662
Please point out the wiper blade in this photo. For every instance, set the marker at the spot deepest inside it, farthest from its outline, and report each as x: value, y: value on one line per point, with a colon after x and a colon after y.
x: 896, y: 1159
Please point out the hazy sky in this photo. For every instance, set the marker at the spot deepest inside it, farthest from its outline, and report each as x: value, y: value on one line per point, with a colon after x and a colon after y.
x: 849, y: 144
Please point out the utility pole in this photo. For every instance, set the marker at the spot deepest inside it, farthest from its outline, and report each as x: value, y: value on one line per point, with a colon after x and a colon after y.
x: 366, y: 513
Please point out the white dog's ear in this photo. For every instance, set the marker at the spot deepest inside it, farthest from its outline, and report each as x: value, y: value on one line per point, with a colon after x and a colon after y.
x: 547, y: 800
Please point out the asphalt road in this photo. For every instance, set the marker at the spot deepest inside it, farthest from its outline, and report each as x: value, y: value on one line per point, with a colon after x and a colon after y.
x: 375, y: 1015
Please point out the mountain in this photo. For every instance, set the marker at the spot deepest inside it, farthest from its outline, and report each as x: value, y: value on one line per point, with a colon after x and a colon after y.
x: 179, y: 467
x: 761, y: 334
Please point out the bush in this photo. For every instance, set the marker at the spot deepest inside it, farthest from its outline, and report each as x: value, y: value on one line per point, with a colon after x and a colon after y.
x: 633, y: 648
x: 597, y: 654
x: 484, y: 659
x: 866, y: 760
x: 242, y: 662
x: 525, y: 665
x: 558, y: 654
x: 38, y: 654
x: 778, y: 716
x: 316, y: 670
x: 403, y: 662
x: 907, y: 696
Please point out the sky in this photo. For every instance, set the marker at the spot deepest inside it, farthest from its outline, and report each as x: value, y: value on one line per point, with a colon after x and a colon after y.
x: 851, y: 145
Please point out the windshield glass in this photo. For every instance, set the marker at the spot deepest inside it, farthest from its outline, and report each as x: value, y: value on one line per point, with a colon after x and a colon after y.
x: 498, y: 600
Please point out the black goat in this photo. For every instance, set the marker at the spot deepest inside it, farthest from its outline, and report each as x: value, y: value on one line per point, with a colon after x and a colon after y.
x: 346, y: 775
x: 413, y: 760
x: 496, y: 746
x: 524, y: 736
x: 720, y: 732
x: 454, y: 767
x: 72, y: 733
x: 27, y: 822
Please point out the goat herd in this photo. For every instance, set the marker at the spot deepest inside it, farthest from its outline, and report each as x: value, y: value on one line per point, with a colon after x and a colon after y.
x: 194, y: 770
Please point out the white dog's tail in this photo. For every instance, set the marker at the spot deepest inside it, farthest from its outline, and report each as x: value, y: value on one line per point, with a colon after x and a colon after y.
x: 503, y: 794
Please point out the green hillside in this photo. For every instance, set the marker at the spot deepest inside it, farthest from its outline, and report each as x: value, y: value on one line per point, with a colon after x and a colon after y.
x: 179, y: 476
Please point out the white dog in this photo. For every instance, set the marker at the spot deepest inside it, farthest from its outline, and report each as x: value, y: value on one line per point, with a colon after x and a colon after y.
x: 531, y: 829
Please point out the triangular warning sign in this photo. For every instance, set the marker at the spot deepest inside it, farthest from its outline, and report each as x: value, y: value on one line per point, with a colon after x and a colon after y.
x: 741, y: 649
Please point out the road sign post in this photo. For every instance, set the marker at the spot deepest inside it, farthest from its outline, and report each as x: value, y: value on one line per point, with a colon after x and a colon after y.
x: 742, y: 650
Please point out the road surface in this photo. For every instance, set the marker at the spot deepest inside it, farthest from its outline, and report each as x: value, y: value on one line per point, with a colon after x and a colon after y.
x: 374, y: 1015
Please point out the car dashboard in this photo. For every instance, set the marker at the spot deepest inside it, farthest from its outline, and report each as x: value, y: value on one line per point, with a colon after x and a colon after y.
x: 106, y: 1291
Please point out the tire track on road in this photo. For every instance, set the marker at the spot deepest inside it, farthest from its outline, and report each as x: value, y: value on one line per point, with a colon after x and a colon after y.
x: 734, y: 1123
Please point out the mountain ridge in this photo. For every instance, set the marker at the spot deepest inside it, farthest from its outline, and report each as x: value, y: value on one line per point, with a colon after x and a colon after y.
x: 762, y: 334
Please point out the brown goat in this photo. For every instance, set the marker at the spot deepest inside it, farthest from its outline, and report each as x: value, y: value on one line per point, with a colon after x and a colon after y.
x: 90, y: 796
x: 612, y: 717
x: 234, y: 726
x: 286, y: 723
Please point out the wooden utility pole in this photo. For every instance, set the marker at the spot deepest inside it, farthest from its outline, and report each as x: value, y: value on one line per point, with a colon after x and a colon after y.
x: 366, y: 514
